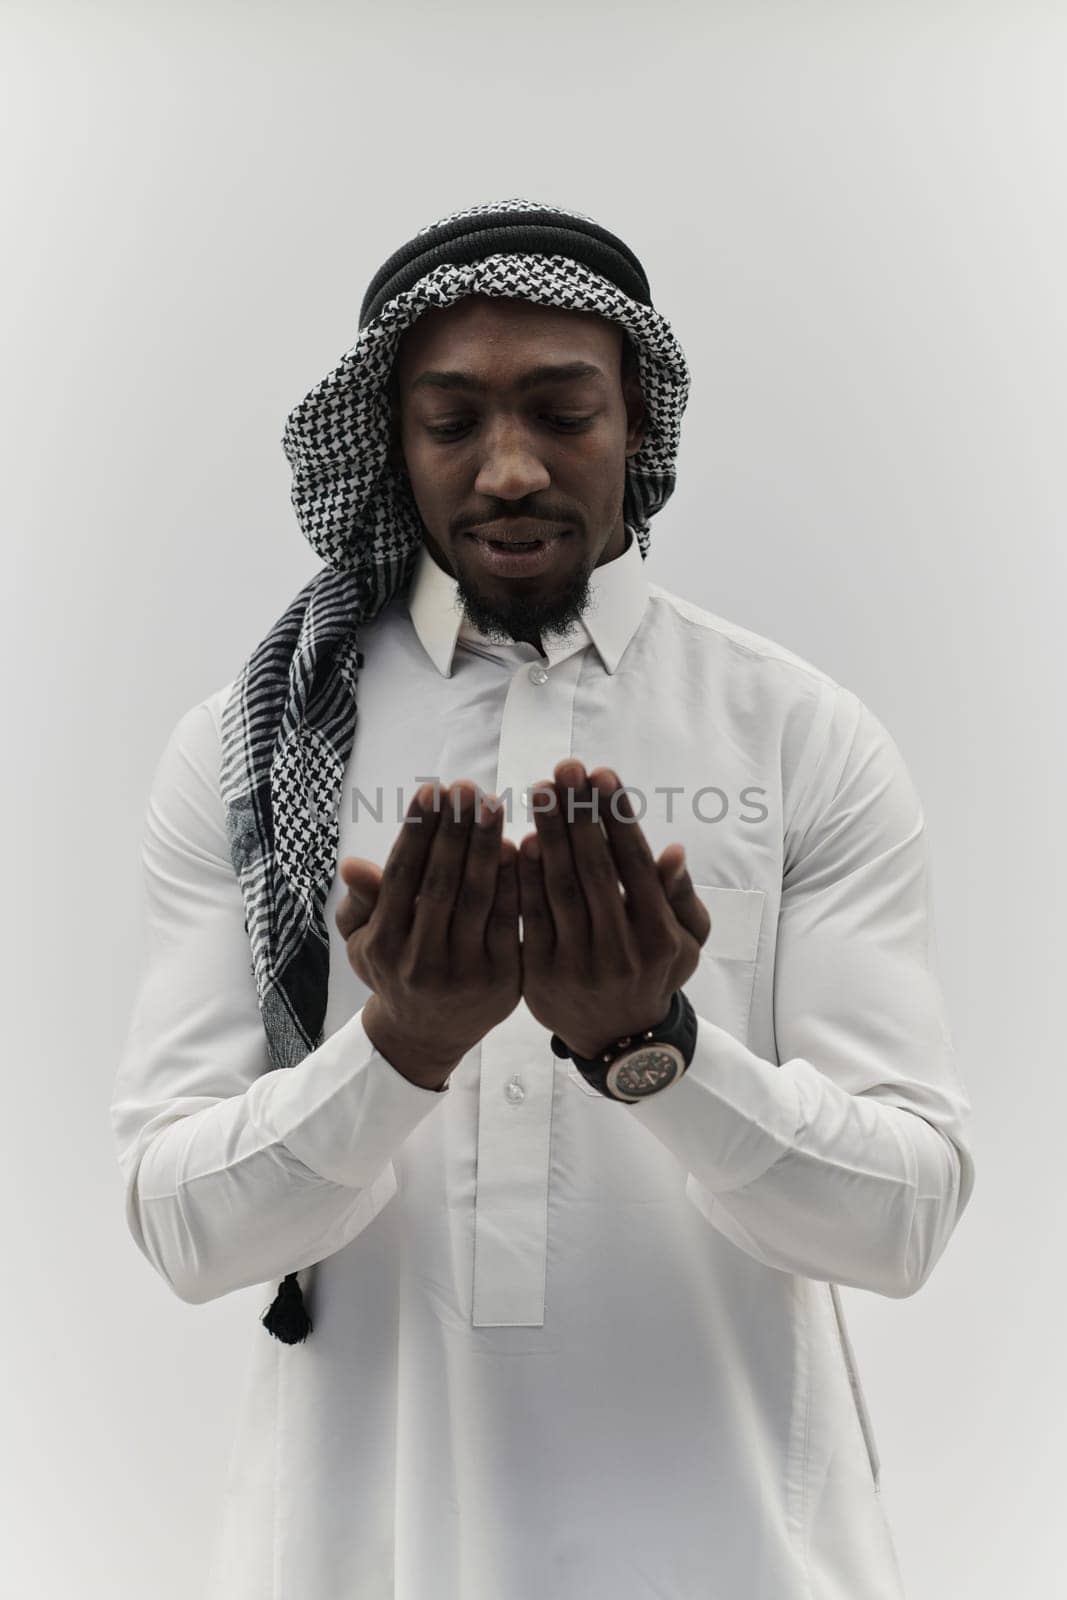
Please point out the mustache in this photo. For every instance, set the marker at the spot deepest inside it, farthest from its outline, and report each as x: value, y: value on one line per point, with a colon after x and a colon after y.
x: 505, y: 525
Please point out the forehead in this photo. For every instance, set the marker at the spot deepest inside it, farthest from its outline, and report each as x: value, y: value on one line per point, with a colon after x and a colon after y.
x: 489, y: 334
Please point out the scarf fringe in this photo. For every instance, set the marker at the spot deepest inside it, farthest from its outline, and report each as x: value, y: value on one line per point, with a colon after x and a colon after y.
x: 287, y: 1318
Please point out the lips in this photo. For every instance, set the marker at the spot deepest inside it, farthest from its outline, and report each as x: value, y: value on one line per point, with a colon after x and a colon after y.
x: 512, y: 557
x: 520, y: 539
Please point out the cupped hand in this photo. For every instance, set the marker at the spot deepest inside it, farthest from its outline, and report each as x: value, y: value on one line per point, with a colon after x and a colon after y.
x: 600, y: 961
x: 435, y: 935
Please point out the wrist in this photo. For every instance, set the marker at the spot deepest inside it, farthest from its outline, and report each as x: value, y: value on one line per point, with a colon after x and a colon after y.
x: 645, y: 1061
x: 413, y: 1059
x: 590, y: 1049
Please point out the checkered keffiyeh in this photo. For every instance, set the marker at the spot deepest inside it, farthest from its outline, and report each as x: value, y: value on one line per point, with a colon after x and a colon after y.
x: 289, y: 722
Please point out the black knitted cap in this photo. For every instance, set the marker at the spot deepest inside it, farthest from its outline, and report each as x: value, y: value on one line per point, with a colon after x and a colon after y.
x: 464, y: 239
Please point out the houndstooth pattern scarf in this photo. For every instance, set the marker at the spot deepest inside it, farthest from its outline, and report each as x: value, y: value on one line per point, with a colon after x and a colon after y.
x: 289, y: 722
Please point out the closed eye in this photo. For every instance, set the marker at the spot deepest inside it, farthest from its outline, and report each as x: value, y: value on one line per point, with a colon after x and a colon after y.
x: 454, y: 430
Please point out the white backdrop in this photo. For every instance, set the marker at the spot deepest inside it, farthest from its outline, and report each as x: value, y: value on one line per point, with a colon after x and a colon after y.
x: 854, y: 218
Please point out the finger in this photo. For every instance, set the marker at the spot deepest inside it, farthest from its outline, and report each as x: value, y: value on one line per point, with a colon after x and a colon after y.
x: 502, y: 927
x: 683, y: 899
x: 633, y: 858
x: 477, y: 887
x: 362, y: 881
x: 443, y: 872
x: 593, y: 860
x: 403, y: 870
x: 562, y: 885
x: 538, y: 929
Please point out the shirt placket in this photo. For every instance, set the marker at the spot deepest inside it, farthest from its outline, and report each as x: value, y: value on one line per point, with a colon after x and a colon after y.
x: 517, y: 1067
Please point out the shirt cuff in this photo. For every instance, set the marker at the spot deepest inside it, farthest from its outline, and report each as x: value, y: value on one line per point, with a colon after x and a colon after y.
x: 729, y: 1117
x: 344, y: 1110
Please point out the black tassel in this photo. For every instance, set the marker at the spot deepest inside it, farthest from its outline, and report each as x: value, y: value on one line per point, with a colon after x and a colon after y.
x: 287, y: 1318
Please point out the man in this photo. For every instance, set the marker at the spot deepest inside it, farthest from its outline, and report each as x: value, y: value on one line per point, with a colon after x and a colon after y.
x: 589, y: 1105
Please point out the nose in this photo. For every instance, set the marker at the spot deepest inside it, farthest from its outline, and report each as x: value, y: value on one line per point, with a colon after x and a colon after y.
x: 510, y: 467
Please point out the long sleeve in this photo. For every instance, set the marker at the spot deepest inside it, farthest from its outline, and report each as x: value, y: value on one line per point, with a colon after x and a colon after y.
x: 234, y: 1173
x: 850, y: 1161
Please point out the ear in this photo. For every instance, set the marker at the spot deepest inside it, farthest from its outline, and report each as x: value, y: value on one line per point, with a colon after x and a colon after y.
x: 395, y: 453
x: 636, y: 413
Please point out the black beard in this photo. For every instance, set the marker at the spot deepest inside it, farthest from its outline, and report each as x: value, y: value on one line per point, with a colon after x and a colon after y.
x: 527, y: 617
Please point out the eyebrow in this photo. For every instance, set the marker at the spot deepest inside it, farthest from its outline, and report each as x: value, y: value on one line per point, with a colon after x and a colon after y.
x: 547, y: 373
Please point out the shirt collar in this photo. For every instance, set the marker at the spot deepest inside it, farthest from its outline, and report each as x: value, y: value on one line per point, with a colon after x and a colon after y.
x: 618, y: 596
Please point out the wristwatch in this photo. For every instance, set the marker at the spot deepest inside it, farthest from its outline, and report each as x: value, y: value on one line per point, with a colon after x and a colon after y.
x: 640, y: 1064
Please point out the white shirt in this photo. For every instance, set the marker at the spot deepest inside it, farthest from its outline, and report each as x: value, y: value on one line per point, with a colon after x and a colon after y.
x: 564, y: 1346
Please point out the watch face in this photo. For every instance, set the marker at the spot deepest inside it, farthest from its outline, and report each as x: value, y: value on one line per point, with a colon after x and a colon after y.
x: 644, y: 1071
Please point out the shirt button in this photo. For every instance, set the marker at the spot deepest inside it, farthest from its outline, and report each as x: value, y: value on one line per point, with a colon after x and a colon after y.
x: 515, y: 1091
x: 537, y: 674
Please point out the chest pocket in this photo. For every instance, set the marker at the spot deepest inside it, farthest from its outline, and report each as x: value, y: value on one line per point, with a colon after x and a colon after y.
x: 720, y: 987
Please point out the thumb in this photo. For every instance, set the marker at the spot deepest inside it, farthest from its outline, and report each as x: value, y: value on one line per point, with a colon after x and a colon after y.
x: 362, y: 881
x: 360, y: 875
x: 684, y: 901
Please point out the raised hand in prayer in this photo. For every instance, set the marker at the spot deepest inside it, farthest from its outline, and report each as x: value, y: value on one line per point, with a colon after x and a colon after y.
x: 598, y: 963
x: 435, y: 934
x: 593, y: 964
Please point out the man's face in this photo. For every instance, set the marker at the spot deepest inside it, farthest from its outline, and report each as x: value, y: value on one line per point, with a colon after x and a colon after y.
x: 498, y: 449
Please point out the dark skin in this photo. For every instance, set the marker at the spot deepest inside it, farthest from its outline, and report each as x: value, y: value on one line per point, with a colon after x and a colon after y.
x: 494, y: 454
x: 435, y: 934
